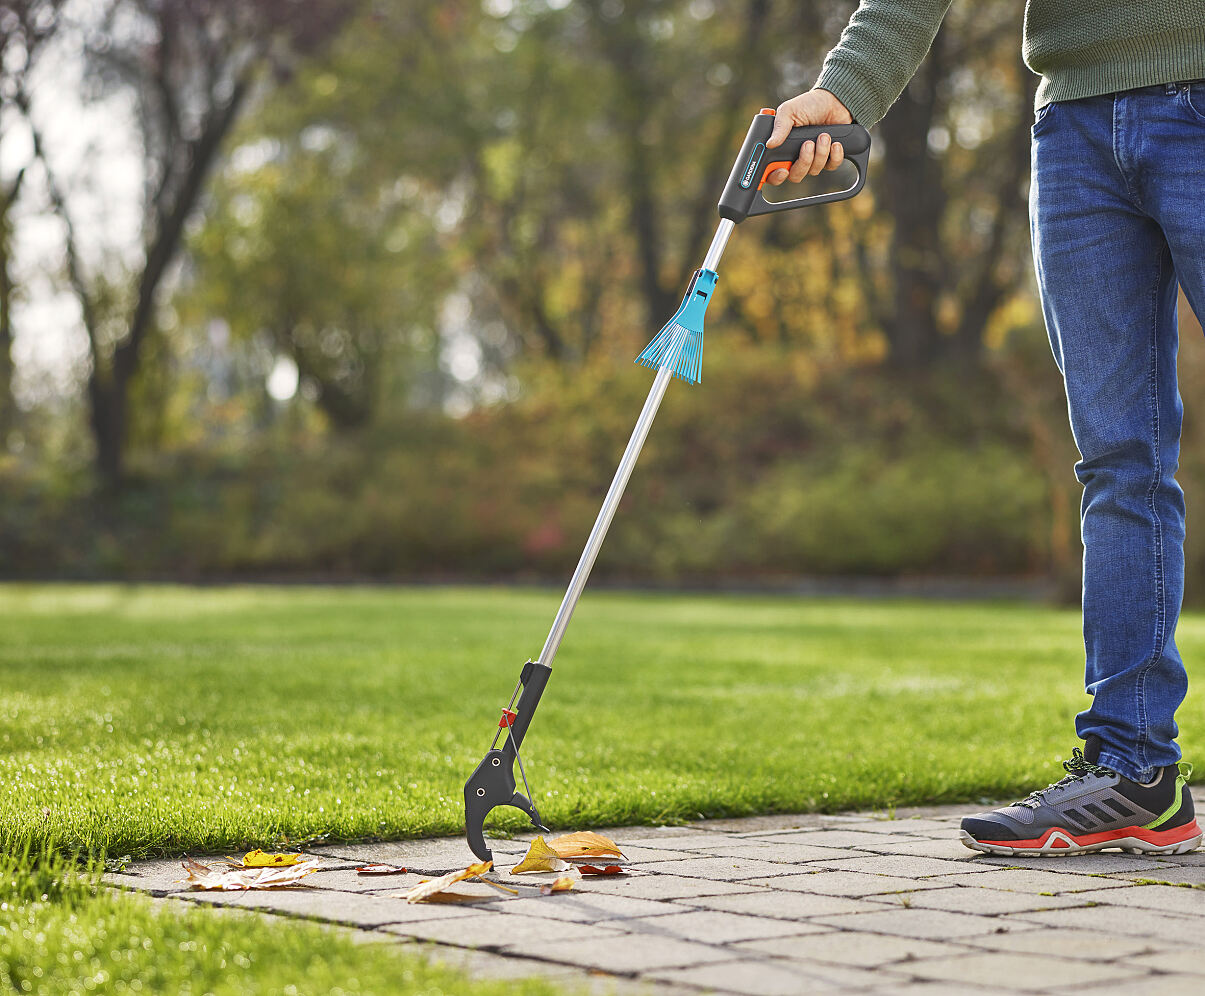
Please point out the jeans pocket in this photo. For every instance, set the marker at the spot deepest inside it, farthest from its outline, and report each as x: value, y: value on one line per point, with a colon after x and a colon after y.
x: 1194, y: 96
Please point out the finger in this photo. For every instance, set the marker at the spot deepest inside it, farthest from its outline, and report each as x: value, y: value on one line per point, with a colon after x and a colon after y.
x: 823, y: 144
x: 804, y: 163
x: 836, y: 157
x: 783, y: 120
x: 776, y: 178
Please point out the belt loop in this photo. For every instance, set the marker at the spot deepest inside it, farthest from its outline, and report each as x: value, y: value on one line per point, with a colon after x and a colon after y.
x: 1171, y: 89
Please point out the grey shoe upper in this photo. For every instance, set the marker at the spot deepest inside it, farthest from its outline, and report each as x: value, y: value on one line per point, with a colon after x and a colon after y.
x: 1091, y: 799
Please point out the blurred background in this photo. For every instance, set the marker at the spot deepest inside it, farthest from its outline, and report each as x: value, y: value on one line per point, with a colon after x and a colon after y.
x: 311, y: 289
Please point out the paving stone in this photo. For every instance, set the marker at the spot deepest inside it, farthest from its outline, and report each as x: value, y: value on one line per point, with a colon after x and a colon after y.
x: 899, y: 826
x: 660, y: 886
x: 341, y: 907
x: 1034, y: 880
x: 984, y: 902
x: 500, y: 930
x: 923, y: 988
x: 680, y: 839
x: 904, y: 865
x: 760, y: 977
x: 348, y: 880
x: 1150, y: 985
x: 1099, y: 863
x: 1162, y: 898
x: 1193, y: 875
x: 934, y: 925
x: 950, y: 850
x: 720, y: 868
x: 779, y: 853
x: 847, y: 947
x: 157, y: 877
x: 749, y: 825
x: 1162, y: 930
x: 1193, y: 860
x: 439, y: 854
x: 711, y: 926
x: 785, y: 905
x: 1027, y: 973
x: 635, y: 953
x: 1188, y: 961
x: 587, y: 907
x: 845, y: 883
x: 843, y: 839
x: 1088, y: 945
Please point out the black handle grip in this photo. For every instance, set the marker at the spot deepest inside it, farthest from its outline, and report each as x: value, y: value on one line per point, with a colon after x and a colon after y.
x: 742, y: 198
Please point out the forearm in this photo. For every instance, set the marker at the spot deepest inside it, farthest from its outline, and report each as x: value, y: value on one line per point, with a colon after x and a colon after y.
x: 879, y: 52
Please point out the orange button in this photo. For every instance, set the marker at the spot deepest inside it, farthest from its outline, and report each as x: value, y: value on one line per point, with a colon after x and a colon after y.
x: 766, y: 110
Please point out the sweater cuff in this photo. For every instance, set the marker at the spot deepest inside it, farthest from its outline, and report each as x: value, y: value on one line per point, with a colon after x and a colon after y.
x: 849, y: 87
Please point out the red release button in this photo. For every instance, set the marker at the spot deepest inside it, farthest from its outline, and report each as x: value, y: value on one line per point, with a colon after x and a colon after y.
x: 766, y: 110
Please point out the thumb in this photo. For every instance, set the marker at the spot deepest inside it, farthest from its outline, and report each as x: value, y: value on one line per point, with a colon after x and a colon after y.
x: 784, y: 121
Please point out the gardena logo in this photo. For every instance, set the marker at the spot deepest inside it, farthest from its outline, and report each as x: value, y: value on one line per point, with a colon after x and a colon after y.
x: 752, y: 167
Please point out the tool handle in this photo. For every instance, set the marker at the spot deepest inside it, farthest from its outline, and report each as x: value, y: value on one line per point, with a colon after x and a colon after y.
x: 742, y: 193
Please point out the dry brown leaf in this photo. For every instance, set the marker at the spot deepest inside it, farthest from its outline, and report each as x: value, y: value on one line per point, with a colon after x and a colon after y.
x: 379, y: 869
x: 540, y: 858
x: 425, y: 890
x: 596, y: 870
x: 562, y: 884
x: 585, y: 844
x: 239, y: 879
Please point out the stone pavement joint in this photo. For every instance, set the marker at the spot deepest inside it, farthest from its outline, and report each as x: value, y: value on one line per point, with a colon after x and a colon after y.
x: 845, y: 903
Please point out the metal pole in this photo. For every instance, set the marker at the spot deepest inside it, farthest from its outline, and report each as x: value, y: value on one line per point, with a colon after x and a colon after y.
x: 620, y: 481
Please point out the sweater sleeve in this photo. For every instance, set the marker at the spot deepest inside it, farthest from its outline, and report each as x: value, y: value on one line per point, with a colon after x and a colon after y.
x: 879, y: 52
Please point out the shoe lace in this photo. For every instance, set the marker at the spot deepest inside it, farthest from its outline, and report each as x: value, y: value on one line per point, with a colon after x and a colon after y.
x: 1077, y: 767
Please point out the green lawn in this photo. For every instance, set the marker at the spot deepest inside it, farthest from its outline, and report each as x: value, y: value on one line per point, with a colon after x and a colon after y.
x: 163, y: 720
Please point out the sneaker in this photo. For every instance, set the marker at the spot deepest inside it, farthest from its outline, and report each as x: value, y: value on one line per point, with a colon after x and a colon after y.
x: 1091, y: 809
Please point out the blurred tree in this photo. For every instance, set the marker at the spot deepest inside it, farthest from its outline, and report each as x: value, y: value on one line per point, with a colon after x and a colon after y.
x: 952, y: 177
x: 189, y: 66
x: 26, y: 26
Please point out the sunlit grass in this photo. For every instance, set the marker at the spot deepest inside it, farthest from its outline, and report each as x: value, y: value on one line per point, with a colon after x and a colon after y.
x: 161, y: 720
x: 74, y: 938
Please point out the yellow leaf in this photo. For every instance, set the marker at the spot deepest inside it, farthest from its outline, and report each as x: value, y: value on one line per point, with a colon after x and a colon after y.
x: 562, y: 884
x: 539, y: 858
x: 585, y: 844
x: 425, y: 890
x: 260, y: 859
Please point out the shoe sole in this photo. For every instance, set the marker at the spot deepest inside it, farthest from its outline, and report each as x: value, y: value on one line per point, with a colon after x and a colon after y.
x: 1056, y: 841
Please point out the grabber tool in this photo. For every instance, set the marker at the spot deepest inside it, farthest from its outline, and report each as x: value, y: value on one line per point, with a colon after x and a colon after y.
x: 676, y: 351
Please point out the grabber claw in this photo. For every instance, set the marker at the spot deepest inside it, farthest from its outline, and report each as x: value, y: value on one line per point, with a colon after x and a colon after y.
x: 492, y: 783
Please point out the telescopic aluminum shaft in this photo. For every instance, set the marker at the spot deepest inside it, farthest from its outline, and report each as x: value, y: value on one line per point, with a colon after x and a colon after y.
x: 620, y: 481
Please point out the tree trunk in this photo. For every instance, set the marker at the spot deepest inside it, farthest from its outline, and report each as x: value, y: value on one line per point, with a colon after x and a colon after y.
x: 911, y: 190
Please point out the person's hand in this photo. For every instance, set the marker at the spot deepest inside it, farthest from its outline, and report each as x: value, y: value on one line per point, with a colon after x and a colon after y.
x: 816, y: 107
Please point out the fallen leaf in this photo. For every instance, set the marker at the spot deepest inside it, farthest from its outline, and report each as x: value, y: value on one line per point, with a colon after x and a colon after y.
x: 202, y: 876
x: 380, y: 870
x: 562, y: 884
x: 595, y: 870
x: 585, y: 844
x: 540, y: 858
x: 261, y: 859
x: 425, y: 890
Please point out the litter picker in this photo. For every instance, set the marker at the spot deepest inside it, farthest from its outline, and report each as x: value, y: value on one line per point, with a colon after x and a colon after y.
x: 676, y: 351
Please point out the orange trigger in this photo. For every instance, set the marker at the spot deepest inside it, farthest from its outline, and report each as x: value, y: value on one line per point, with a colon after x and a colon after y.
x: 770, y: 168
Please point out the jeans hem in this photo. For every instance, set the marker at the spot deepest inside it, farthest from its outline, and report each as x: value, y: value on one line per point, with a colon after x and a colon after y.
x: 1115, y: 762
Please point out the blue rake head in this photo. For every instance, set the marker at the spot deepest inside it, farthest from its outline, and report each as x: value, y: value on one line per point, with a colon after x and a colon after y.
x: 679, y: 344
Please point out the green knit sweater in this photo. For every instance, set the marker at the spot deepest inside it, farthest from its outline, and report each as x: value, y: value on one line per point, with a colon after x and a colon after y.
x: 1080, y: 48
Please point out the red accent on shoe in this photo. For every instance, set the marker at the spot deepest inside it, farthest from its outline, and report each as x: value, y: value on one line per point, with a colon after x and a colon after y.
x: 1160, y: 837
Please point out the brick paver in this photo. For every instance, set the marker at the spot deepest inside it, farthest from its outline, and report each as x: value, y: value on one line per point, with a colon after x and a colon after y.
x: 850, y: 903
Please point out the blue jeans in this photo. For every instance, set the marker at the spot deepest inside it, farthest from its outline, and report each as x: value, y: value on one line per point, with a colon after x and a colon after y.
x: 1117, y: 214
